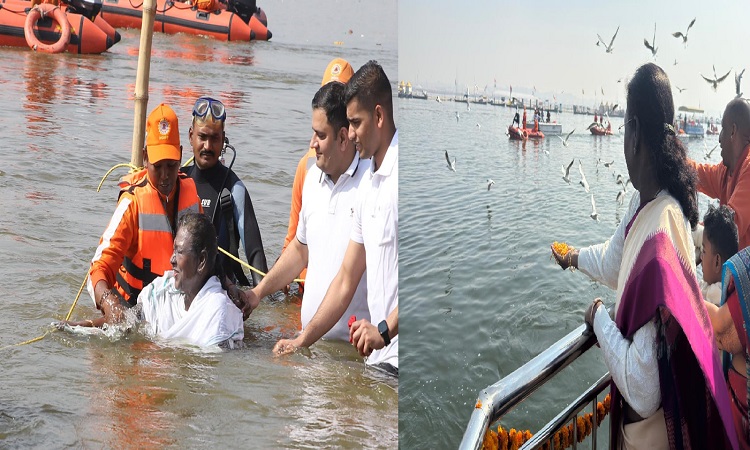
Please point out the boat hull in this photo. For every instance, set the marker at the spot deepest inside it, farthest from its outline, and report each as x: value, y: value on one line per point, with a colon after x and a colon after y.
x: 85, y: 37
x: 522, y: 134
x: 548, y: 128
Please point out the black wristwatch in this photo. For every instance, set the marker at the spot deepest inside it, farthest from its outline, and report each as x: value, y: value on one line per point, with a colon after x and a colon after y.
x: 383, y: 330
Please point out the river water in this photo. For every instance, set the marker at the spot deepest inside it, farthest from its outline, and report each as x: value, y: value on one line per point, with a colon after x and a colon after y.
x: 479, y: 291
x: 69, y: 118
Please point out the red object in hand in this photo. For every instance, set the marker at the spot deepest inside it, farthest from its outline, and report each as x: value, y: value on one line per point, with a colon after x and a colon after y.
x: 352, y: 319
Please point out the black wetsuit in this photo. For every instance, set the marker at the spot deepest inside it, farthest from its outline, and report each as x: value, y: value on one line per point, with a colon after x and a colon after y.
x: 245, y: 225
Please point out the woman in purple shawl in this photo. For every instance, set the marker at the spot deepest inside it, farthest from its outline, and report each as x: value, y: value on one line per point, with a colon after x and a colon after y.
x: 668, y: 390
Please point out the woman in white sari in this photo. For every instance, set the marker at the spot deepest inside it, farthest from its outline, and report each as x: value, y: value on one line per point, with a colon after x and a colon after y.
x: 667, y: 386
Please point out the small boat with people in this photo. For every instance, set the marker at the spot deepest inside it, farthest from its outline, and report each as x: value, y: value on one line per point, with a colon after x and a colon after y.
x: 547, y: 128
x: 689, y: 122
x: 235, y: 20
x: 74, y: 26
x: 599, y: 130
x: 522, y: 134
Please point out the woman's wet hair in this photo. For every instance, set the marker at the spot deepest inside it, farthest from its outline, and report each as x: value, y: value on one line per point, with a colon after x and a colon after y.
x: 370, y: 86
x: 650, y: 99
x: 330, y: 98
x: 203, y: 236
x: 721, y: 231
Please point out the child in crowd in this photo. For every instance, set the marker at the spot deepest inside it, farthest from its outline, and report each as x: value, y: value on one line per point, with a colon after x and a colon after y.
x: 720, y: 242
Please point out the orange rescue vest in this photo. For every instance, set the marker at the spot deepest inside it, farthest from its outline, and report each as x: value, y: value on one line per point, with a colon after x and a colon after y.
x: 155, y: 234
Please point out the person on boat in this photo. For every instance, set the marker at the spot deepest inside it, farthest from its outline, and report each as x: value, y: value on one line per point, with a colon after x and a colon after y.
x: 729, y: 181
x: 536, y: 120
x: 337, y: 70
x: 374, y: 240
x: 516, y: 119
x: 548, y: 116
x: 523, y: 124
x: 224, y: 197
x: 137, y: 245
x: 326, y: 219
x: 731, y: 332
x: 596, y: 119
x: 667, y: 386
x: 719, y: 244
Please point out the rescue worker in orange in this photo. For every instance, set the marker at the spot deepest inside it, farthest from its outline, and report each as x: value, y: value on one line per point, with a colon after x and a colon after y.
x: 137, y: 245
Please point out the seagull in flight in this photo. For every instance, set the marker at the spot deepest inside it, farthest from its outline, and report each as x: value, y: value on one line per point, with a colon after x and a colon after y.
x: 620, y: 197
x: 565, y: 141
x: 566, y: 171
x: 583, y: 181
x: 489, y: 183
x: 716, y: 80
x: 479, y: 127
x: 608, y: 48
x: 680, y: 89
x: 451, y: 164
x: 594, y: 214
x: 708, y: 152
x: 675, y: 62
x: 606, y: 164
x: 684, y: 36
x: 623, y: 182
x: 652, y: 45
x: 737, y: 81
x: 458, y: 116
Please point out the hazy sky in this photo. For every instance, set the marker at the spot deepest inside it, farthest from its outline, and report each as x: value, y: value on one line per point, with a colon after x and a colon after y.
x: 551, y: 45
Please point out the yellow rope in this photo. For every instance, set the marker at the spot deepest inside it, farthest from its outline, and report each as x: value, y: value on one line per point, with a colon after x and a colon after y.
x: 39, y: 338
x: 187, y: 163
x: 116, y: 166
x: 296, y: 280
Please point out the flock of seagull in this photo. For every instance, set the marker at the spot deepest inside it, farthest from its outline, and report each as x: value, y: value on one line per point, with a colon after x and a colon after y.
x: 714, y: 82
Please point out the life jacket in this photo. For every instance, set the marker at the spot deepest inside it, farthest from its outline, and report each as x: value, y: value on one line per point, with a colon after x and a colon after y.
x: 155, y: 233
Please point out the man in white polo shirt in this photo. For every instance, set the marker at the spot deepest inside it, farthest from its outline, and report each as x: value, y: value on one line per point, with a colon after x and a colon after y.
x: 374, y: 239
x: 326, y: 215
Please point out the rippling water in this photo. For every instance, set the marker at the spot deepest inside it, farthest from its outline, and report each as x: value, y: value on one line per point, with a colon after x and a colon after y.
x: 480, y: 293
x: 67, y: 119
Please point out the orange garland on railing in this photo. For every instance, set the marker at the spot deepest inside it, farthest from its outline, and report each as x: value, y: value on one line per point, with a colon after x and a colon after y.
x: 563, y: 438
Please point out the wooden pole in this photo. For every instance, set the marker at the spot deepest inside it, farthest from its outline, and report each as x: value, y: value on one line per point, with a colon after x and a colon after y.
x: 141, y: 82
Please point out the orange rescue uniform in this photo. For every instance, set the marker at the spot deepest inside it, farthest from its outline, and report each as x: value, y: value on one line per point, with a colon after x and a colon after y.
x: 137, y: 245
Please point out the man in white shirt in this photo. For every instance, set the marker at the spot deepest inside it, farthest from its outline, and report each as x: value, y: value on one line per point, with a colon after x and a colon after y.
x: 374, y: 239
x: 326, y: 217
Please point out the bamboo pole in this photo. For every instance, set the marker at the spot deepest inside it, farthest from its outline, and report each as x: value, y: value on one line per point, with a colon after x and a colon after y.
x: 141, y: 82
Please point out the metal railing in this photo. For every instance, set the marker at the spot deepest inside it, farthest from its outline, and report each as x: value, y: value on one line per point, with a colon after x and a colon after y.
x: 498, y: 399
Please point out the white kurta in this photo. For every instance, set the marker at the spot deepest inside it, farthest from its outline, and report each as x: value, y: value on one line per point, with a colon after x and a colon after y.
x: 212, y: 318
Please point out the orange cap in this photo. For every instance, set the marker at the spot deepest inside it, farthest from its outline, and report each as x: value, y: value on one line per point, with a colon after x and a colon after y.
x: 338, y: 70
x: 162, y: 135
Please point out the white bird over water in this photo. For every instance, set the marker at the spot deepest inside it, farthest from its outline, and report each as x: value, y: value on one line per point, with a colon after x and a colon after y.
x: 652, y: 45
x: 608, y: 48
x: 583, y: 181
x: 716, y: 80
x: 594, y: 214
x: 607, y: 164
x: 708, y: 152
x: 737, y: 82
x: 620, y: 197
x: 489, y: 183
x: 566, y: 171
x: 684, y: 36
x: 565, y: 141
x: 451, y: 164
x: 479, y: 127
x: 458, y: 116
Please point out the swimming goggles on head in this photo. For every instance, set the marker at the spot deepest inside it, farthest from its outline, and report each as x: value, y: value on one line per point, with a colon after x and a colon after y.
x: 205, y: 104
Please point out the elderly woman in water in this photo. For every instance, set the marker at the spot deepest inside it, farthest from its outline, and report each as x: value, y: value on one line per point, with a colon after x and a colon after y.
x: 188, y: 303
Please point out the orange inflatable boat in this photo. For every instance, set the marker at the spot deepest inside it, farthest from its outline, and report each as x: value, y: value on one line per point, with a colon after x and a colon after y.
x: 52, y: 29
x: 521, y: 134
x: 239, y: 20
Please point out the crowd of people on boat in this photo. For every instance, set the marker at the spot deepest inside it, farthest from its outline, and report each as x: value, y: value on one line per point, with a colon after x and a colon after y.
x: 661, y: 339
x: 160, y: 253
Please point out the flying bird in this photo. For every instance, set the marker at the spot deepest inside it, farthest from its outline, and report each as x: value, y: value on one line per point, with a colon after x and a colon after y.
x: 479, y: 127
x: 608, y: 48
x: 652, y: 45
x: 489, y: 183
x: 458, y: 116
x: 675, y: 62
x: 566, y: 171
x: 680, y: 89
x: 708, y: 152
x: 684, y: 36
x: 620, y: 197
x: 602, y: 91
x: 607, y: 164
x: 716, y: 80
x: 451, y: 164
x: 583, y: 181
x: 594, y: 215
x: 737, y: 81
x: 565, y: 141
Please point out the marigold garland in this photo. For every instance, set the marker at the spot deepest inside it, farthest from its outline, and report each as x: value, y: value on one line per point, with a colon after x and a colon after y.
x: 561, y: 248
x: 513, y: 439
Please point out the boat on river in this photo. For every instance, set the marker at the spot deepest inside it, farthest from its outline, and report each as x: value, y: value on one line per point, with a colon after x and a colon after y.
x: 547, y: 128
x: 598, y: 130
x: 238, y: 20
x: 690, y: 122
x: 75, y: 27
x: 521, y: 134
